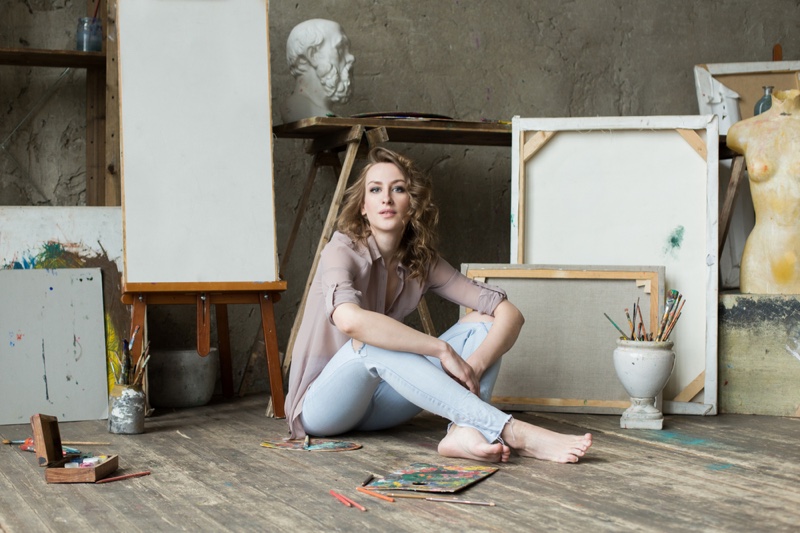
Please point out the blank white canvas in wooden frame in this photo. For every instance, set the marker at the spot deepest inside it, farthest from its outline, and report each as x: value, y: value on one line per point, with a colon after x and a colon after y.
x: 562, y: 360
x: 629, y: 191
x: 195, y: 121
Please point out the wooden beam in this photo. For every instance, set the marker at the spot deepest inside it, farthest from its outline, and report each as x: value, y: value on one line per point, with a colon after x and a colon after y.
x: 536, y: 143
x: 695, y: 141
x: 560, y: 402
x: 111, y: 165
x: 692, y: 389
x: 732, y: 192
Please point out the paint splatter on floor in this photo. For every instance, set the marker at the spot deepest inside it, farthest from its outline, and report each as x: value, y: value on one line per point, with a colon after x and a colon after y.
x: 672, y: 437
x: 719, y: 466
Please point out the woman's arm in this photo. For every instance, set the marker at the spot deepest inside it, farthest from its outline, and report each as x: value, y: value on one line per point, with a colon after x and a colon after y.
x: 384, y: 332
x: 503, y: 334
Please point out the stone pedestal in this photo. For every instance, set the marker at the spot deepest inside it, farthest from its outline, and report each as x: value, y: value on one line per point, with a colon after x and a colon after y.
x: 759, y: 354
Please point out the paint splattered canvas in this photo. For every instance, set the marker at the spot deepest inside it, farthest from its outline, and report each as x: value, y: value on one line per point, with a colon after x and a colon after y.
x: 314, y: 446
x: 425, y: 477
x: 52, y: 354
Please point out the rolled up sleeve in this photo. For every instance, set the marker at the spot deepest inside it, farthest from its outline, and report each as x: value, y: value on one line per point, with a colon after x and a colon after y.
x: 449, y: 283
x: 338, y: 267
x: 338, y: 289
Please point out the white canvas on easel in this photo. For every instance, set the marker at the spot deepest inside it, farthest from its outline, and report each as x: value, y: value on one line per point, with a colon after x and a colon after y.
x: 195, y: 116
x: 629, y: 191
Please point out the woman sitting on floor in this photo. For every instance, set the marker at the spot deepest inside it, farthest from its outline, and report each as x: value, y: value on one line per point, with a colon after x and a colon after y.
x: 356, y: 366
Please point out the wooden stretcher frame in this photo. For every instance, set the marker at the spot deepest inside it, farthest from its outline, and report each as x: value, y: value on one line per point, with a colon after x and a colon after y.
x: 629, y: 191
x: 568, y: 368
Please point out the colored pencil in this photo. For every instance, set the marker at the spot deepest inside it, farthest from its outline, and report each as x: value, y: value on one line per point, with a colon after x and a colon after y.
x: 126, y: 476
x: 453, y: 500
x: 367, y: 481
x: 374, y: 494
x: 340, y: 498
x: 353, y: 503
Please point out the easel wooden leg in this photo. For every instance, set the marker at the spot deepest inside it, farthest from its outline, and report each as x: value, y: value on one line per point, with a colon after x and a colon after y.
x: 225, y: 360
x: 273, y: 356
x: 203, y: 325
x: 138, y: 315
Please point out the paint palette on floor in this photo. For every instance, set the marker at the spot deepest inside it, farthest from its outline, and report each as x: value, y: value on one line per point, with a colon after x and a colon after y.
x: 317, y: 445
x: 425, y: 477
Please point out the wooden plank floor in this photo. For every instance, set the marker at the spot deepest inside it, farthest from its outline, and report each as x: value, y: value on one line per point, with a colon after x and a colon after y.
x: 209, y: 473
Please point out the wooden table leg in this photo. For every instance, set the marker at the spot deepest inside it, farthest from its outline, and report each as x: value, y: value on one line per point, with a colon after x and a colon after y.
x: 301, y: 210
x: 327, y: 231
x: 737, y: 172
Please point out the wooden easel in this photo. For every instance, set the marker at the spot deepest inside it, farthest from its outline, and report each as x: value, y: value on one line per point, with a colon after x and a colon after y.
x: 204, y: 297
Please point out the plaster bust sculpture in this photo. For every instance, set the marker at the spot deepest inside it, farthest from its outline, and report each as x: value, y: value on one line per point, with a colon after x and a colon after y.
x: 318, y: 53
x: 770, y: 143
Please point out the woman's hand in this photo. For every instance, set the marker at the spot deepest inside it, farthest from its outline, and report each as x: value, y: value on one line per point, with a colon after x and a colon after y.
x: 458, y: 369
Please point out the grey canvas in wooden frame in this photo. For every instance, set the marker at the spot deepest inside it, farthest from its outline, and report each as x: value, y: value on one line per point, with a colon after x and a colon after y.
x: 562, y: 361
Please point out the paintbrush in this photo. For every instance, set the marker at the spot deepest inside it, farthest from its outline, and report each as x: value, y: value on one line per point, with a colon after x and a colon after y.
x: 141, y: 364
x: 616, y: 326
x: 642, y: 328
x: 126, y: 362
x: 670, y: 301
x: 630, y: 322
x: 673, y: 321
x: 453, y: 500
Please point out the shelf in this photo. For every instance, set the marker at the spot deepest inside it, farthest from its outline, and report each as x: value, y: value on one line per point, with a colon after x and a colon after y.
x: 51, y: 58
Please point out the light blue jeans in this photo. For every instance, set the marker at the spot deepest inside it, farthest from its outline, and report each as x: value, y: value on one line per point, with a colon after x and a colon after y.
x: 373, y: 388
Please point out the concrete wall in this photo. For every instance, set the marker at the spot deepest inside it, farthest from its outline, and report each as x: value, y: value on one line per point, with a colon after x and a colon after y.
x: 467, y: 59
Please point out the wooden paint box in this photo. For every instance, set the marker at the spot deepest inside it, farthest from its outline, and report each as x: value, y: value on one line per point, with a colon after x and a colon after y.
x: 49, y: 453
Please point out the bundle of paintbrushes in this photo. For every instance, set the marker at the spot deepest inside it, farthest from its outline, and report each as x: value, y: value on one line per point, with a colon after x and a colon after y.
x: 638, y: 331
x: 125, y: 372
x: 672, y: 312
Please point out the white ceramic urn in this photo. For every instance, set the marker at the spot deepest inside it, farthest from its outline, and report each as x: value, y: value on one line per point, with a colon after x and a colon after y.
x: 643, y: 368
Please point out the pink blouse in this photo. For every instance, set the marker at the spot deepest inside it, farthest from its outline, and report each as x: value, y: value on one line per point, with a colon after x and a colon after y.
x: 351, y: 272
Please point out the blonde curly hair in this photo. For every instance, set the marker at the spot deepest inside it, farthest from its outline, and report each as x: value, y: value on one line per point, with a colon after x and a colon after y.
x: 417, y: 250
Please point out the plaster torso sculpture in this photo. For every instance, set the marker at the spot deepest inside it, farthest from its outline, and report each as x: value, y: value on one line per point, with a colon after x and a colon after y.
x: 770, y: 143
x: 318, y: 53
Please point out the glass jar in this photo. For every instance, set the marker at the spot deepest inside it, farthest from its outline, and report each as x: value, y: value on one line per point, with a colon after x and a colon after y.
x: 765, y: 102
x: 89, y: 36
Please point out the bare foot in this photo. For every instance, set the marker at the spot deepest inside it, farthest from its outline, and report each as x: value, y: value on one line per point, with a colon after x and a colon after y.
x: 469, y: 443
x: 541, y: 443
